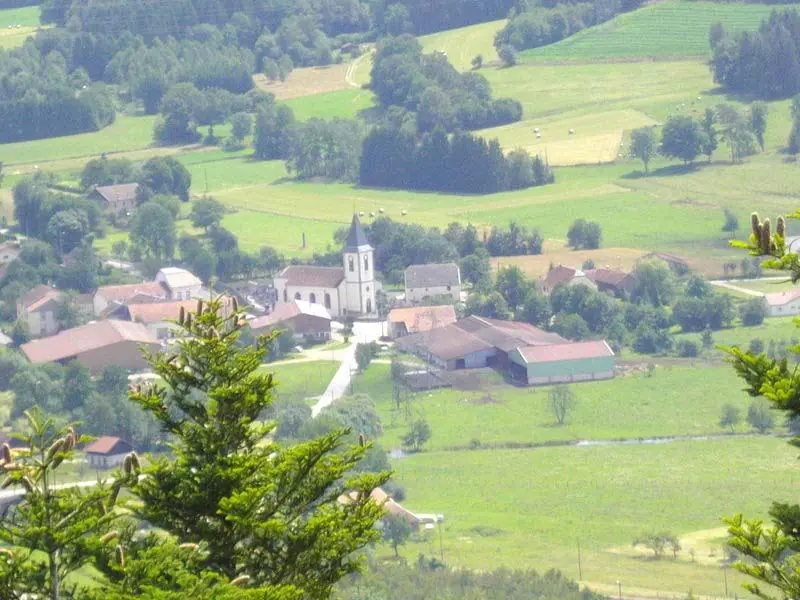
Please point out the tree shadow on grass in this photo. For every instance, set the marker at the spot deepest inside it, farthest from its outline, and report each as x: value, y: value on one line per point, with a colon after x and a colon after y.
x: 669, y: 171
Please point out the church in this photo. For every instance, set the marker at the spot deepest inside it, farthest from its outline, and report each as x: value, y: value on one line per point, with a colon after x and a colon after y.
x: 346, y: 291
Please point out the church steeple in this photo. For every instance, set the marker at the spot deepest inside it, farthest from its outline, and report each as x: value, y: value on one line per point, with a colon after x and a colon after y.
x: 356, y: 238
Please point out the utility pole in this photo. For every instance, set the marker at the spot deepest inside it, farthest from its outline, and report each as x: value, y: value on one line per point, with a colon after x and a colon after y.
x: 725, y: 575
x: 441, y: 545
x: 580, y: 570
x: 619, y: 587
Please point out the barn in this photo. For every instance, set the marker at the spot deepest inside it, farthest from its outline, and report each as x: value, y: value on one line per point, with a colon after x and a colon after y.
x: 563, y: 363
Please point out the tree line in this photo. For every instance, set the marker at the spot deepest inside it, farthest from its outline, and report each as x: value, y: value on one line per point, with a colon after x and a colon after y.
x: 461, y: 163
x: 686, y: 138
x: 640, y: 319
x: 764, y: 63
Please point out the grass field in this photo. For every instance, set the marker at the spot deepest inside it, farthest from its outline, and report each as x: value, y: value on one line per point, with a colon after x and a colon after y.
x: 302, y: 380
x: 345, y: 104
x: 779, y: 329
x: 125, y: 134
x: 765, y: 286
x: 597, y: 136
x: 16, y: 24
x: 664, y: 29
x: 461, y: 46
x: 531, y: 508
x: 673, y: 401
x: 556, y: 254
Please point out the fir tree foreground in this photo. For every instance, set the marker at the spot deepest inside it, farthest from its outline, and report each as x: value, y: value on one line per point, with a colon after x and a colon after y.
x: 771, y: 551
x: 236, y: 515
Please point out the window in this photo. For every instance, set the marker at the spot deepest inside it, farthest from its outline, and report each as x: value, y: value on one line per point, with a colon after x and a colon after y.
x: 369, y: 305
x: 351, y: 263
x: 312, y: 297
x: 448, y: 288
x: 298, y: 296
x: 327, y: 300
x: 285, y: 295
x: 366, y: 263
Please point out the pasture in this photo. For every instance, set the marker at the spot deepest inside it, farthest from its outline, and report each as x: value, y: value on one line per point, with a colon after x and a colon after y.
x: 302, y: 379
x: 596, y: 139
x: 344, y: 104
x: 306, y: 81
x: 555, y: 253
x: 16, y: 24
x: 659, y: 30
x: 674, y: 400
x: 461, y: 46
x: 532, y: 508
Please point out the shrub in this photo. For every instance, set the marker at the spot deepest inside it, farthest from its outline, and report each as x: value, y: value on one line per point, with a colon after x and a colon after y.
x: 688, y: 348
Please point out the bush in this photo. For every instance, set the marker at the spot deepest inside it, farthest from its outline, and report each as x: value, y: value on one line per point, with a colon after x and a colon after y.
x: 756, y: 346
x: 508, y: 55
x: 688, y: 348
x: 753, y: 312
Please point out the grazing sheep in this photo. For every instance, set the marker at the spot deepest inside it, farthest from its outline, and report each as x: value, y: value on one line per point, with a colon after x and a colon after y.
x: 538, y: 135
x: 371, y: 214
x: 535, y: 130
x: 571, y: 131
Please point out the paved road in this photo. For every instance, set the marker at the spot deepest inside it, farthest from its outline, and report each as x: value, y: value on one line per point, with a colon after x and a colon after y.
x: 363, y: 332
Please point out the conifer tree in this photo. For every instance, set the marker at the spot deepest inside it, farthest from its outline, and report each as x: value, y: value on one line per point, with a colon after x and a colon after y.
x: 267, y: 514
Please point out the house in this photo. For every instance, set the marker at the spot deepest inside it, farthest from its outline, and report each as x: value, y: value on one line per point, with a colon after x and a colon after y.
x: 302, y: 318
x: 159, y: 317
x: 391, y: 507
x: 113, y: 295
x: 433, y: 281
x: 343, y: 291
x: 96, y: 345
x: 678, y: 265
x: 179, y: 283
x: 38, y: 307
x: 107, y: 452
x: 418, y: 319
x: 561, y: 275
x: 783, y: 304
x: 117, y: 198
x: 563, y: 363
x: 612, y: 281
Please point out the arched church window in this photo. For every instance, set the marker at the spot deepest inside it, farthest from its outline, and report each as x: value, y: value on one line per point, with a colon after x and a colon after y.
x: 312, y: 298
x: 369, y: 305
x: 366, y: 263
x: 327, y: 300
x: 285, y: 295
x: 298, y: 296
x: 351, y: 263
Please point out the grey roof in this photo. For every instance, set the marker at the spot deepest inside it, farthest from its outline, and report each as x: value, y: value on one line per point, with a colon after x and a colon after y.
x: 356, y: 238
x: 436, y: 275
x: 310, y: 276
x: 121, y: 192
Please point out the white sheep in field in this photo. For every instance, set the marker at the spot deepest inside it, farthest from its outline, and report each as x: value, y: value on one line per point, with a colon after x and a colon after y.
x: 381, y: 210
x: 538, y: 136
x: 361, y: 213
x: 371, y: 214
x: 535, y: 130
x: 572, y: 132
x: 404, y: 212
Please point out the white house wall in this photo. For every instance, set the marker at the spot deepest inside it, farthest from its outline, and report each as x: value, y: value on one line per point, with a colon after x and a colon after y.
x: 419, y: 294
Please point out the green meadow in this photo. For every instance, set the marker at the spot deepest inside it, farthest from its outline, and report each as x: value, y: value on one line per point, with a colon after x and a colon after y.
x: 658, y: 30
x: 533, y: 508
x: 673, y: 400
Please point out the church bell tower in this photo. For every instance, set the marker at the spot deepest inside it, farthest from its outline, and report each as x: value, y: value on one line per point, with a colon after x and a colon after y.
x: 359, y: 271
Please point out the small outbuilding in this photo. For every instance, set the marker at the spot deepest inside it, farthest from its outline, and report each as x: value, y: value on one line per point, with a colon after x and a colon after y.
x: 418, y: 319
x: 107, y: 452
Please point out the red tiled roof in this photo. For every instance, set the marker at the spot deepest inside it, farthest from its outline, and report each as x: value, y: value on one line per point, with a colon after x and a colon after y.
x: 308, y: 276
x: 36, y: 294
x: 570, y: 351
x: 107, y: 445
x: 287, y: 310
x: 122, y: 192
x: 156, y: 312
x: 423, y: 318
x: 781, y: 298
x: 124, y: 293
x: 559, y: 274
x: 78, y: 340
